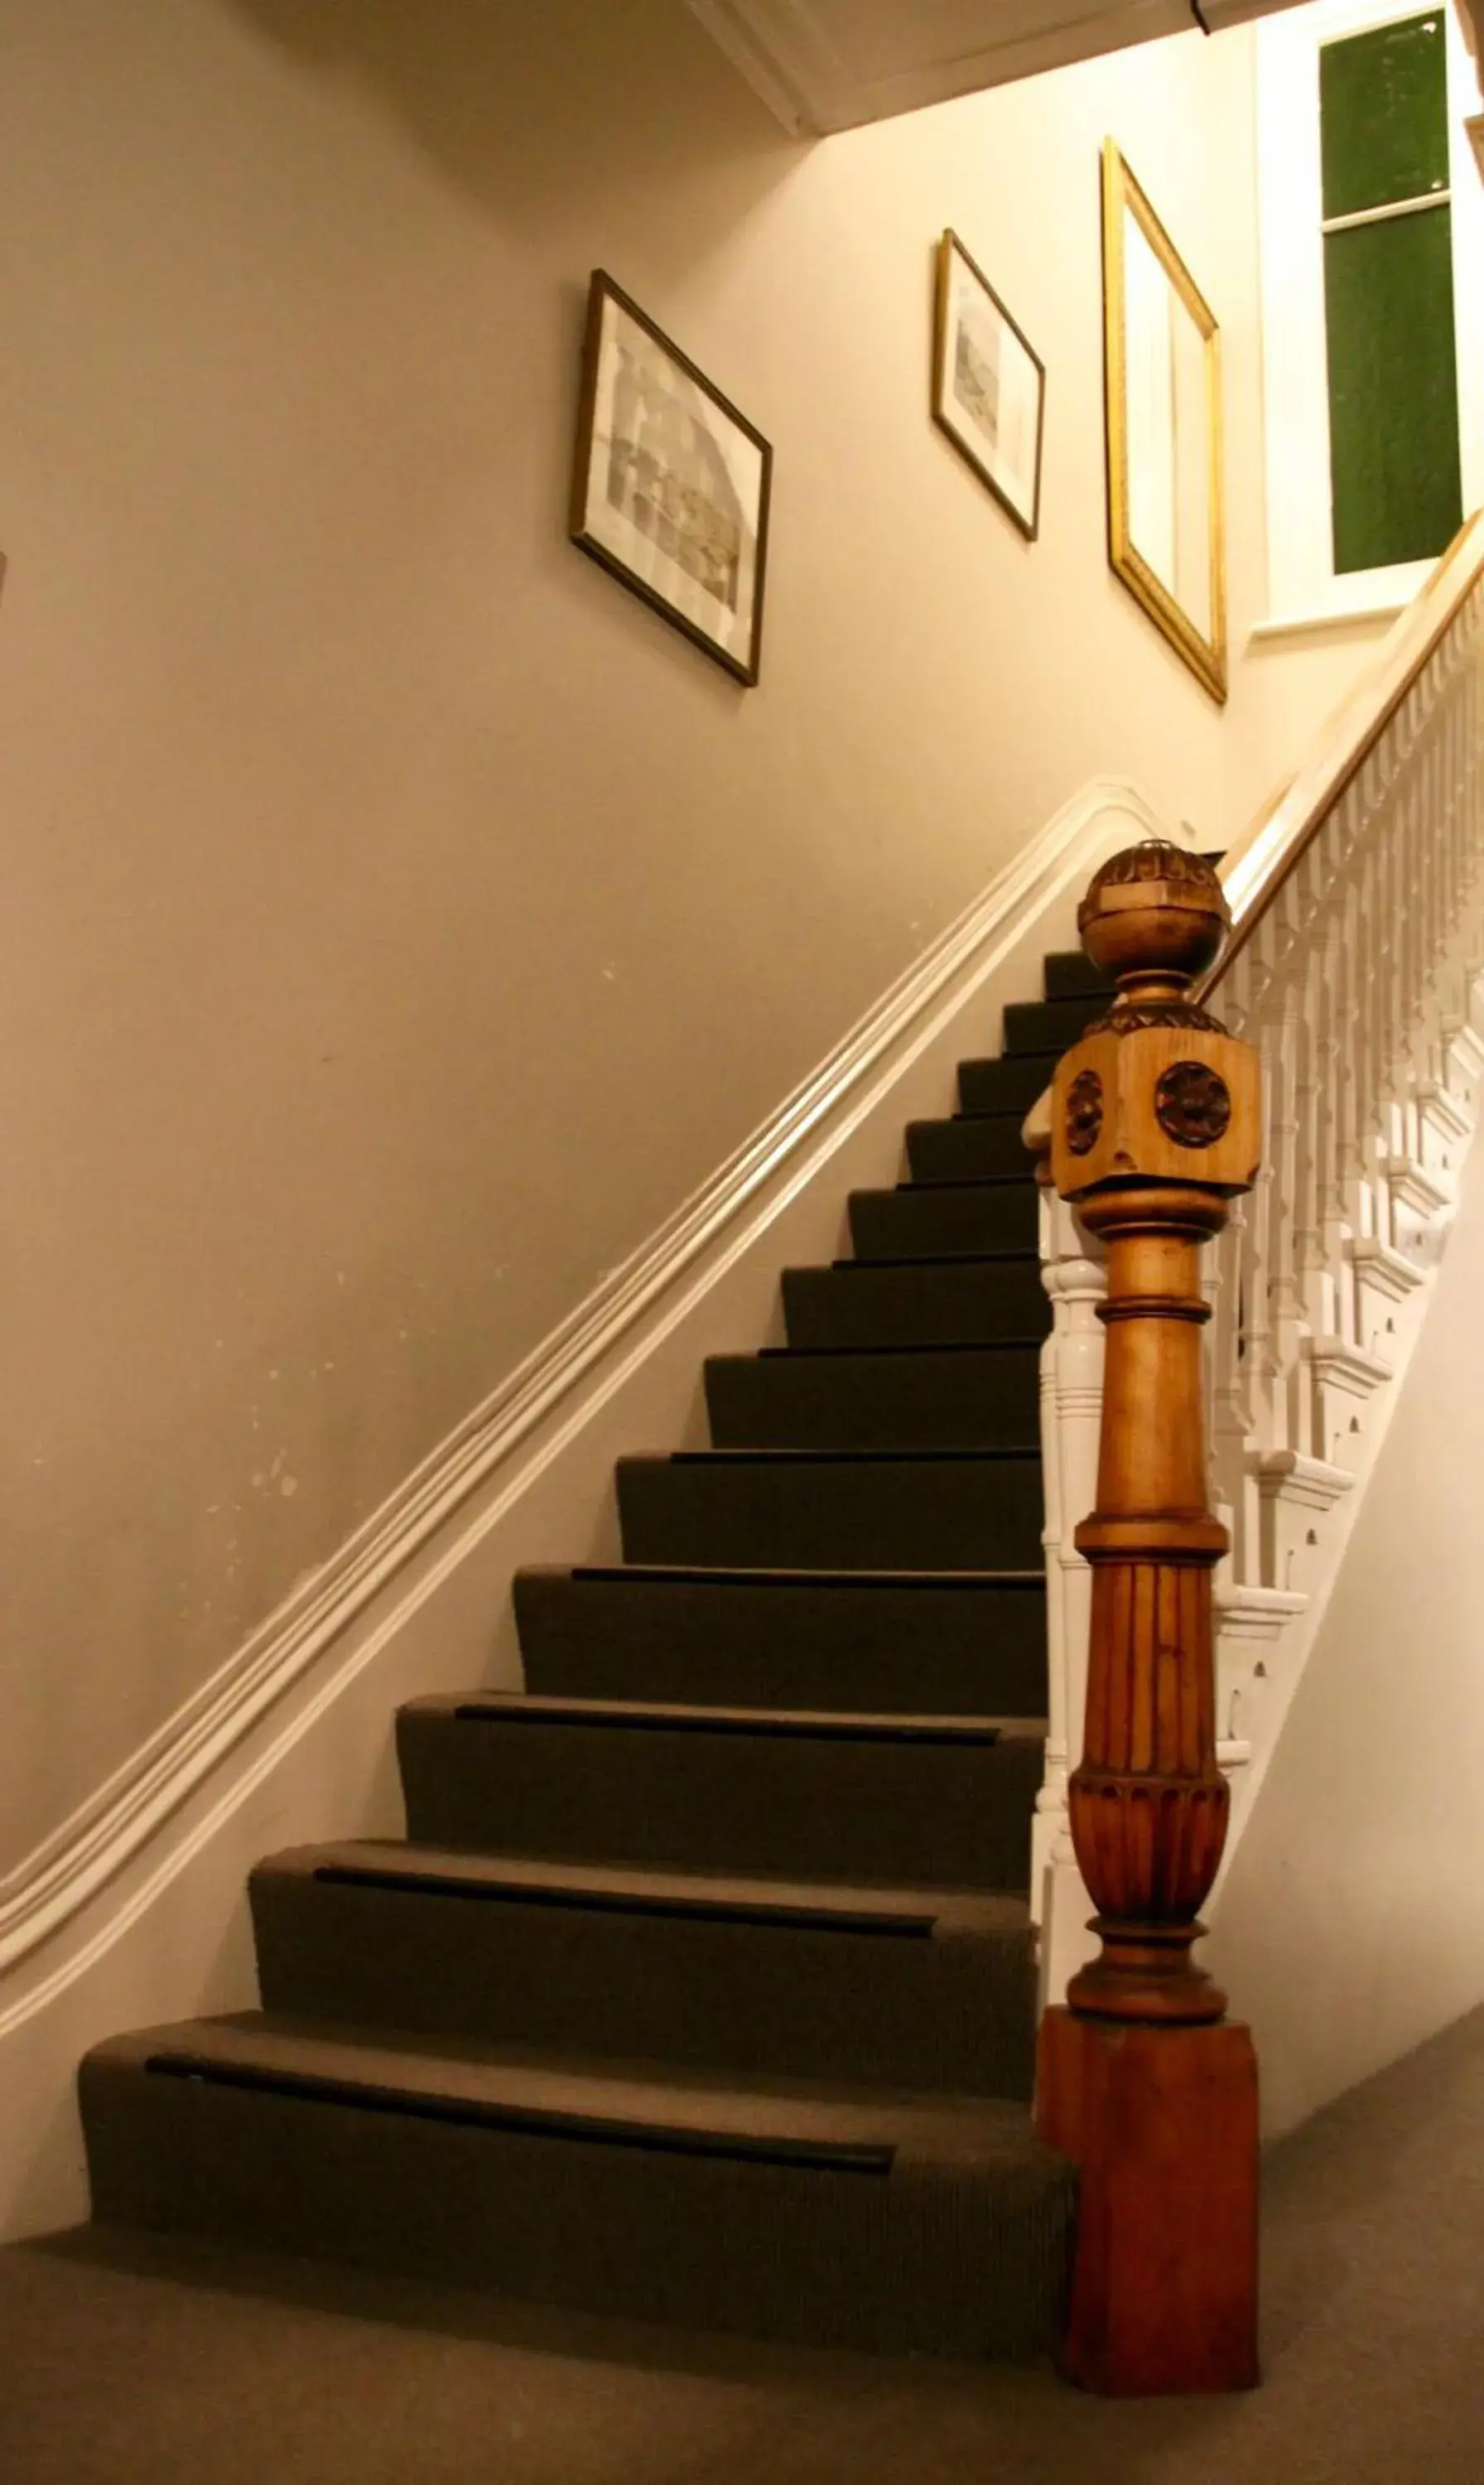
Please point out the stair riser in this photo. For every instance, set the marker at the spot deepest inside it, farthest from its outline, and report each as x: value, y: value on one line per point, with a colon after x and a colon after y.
x: 921, y: 2014
x: 890, y: 2262
x: 916, y: 1224
x: 1003, y: 1086
x: 942, y: 1304
x: 967, y: 1150
x: 876, y: 1514
x: 910, y: 1812
x: 954, y: 1399
x: 963, y: 1652
x: 1070, y: 973
x: 1049, y: 1026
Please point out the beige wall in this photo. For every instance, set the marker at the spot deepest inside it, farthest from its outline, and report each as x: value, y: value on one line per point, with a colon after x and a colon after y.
x: 1351, y: 1925
x: 398, y: 920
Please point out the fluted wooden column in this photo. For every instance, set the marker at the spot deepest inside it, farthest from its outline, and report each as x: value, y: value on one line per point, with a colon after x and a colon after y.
x: 1143, y: 2078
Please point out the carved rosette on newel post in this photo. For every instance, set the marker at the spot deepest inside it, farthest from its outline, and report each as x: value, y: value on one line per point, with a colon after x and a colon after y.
x: 1143, y: 2078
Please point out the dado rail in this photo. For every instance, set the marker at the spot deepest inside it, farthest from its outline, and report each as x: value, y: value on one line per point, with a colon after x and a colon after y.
x: 1298, y: 1095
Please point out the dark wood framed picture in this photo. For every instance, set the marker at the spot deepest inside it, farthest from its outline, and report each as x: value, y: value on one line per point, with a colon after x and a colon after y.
x: 670, y: 484
x: 988, y: 385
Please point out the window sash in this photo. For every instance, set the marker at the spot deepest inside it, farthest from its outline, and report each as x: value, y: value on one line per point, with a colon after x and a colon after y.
x: 1304, y: 587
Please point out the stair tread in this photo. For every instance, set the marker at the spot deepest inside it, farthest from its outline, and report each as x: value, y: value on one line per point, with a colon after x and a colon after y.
x: 621, y: 2095
x: 725, y: 1574
x: 958, y: 1346
x: 964, y: 1181
x: 1040, y: 1053
x: 938, y: 1259
x: 758, y: 1894
x: 729, y: 1577
x: 709, y: 1717
x: 967, y: 1113
x: 976, y: 1182
x: 811, y: 1458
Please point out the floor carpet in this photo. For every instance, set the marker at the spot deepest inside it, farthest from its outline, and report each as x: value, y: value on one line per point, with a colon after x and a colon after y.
x: 130, y: 2361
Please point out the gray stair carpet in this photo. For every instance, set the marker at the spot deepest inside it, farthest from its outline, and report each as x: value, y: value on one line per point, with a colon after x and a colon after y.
x: 701, y: 1986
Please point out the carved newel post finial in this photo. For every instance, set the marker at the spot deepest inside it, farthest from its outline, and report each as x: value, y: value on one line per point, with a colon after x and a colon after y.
x: 1154, y: 1128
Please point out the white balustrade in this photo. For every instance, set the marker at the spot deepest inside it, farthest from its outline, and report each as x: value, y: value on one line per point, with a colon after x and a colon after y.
x: 1358, y: 938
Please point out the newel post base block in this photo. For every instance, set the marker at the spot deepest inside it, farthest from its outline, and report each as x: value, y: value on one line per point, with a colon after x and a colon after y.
x: 1162, y: 2123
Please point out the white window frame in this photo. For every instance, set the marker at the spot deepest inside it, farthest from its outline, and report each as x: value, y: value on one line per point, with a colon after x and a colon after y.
x: 1303, y: 588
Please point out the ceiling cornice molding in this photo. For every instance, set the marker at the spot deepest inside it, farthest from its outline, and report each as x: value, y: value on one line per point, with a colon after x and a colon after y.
x: 822, y: 66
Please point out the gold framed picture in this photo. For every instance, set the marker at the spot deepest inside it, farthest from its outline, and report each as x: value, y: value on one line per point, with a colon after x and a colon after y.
x: 988, y: 385
x: 1162, y: 398
x: 670, y: 484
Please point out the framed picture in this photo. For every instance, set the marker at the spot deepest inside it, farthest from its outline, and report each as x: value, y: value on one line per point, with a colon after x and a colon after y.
x: 989, y: 387
x: 670, y: 483
x: 1162, y: 394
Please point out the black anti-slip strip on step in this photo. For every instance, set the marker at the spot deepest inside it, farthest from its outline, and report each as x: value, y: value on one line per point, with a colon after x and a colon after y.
x: 835, y: 1458
x: 893, y: 1347
x: 919, y: 1583
x: 970, y: 1182
x: 954, y: 1260
x: 1029, y: 1053
x: 821, y: 2156
x: 529, y: 1709
x: 759, y: 1912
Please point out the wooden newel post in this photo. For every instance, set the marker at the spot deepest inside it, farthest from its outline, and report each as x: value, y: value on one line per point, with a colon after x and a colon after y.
x: 1143, y: 2080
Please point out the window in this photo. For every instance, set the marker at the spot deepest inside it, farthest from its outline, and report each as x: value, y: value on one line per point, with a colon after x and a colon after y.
x: 1396, y: 492
x: 1371, y: 210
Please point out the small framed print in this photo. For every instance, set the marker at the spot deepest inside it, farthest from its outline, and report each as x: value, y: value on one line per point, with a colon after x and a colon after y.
x: 988, y: 385
x: 670, y: 483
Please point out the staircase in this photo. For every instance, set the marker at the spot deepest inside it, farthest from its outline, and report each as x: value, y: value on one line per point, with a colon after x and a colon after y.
x: 702, y: 1987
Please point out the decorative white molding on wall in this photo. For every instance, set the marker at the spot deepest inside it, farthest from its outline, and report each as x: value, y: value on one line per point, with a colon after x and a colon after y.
x: 829, y: 64
x: 134, y: 1908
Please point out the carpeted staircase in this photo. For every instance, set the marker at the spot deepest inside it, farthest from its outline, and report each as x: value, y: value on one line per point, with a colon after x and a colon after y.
x: 702, y: 1988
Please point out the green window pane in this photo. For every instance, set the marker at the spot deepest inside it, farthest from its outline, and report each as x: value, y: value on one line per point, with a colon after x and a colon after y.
x: 1384, y: 115
x: 1393, y: 389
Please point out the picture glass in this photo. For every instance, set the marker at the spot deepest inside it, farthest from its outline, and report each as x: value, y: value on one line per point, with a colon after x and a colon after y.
x: 675, y: 488
x: 1162, y: 367
x: 988, y: 392
x: 1169, y: 420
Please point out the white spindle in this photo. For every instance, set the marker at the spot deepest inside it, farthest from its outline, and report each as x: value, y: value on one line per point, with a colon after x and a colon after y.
x: 1353, y: 969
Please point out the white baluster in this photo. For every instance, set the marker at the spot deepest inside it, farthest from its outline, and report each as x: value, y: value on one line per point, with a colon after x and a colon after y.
x: 1072, y: 1396
x: 1361, y: 979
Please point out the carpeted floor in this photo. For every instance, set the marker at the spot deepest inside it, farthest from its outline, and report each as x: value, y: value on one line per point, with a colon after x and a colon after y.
x: 122, y: 2360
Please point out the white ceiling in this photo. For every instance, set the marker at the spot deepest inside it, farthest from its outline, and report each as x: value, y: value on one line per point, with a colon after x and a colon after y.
x: 824, y: 65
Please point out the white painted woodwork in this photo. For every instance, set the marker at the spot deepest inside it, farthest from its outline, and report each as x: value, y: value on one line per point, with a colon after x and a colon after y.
x: 1356, y: 970
x: 829, y: 64
x: 1073, y: 1271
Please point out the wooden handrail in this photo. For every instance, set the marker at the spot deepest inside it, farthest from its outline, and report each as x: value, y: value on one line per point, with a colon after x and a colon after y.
x: 1289, y: 821
x: 1288, y: 827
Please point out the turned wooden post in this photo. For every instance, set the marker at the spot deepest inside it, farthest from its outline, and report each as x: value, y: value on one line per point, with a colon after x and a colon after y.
x: 1143, y: 2080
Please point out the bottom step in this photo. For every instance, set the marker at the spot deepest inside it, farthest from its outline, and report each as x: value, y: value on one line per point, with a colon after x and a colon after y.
x: 782, y: 2210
